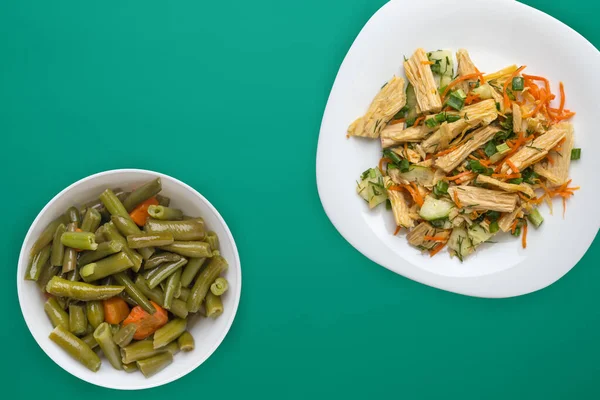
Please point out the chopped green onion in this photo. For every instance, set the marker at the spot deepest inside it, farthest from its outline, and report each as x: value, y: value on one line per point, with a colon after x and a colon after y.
x: 516, y: 181
x: 431, y: 122
x: 442, y: 89
x: 441, y: 117
x: 490, y: 148
x: 493, y: 215
x: 410, y: 122
x: 535, y: 217
x: 510, y: 94
x: 497, y: 106
x: 575, y: 154
x: 502, y: 135
x: 452, y: 118
x: 494, y: 227
x: 518, y: 83
x: 476, y: 167
x: 529, y: 176
x: 392, y: 156
x: 456, y: 99
x: 388, y: 204
x: 502, y: 147
x: 404, y: 165
x: 440, y: 188
x: 507, y: 123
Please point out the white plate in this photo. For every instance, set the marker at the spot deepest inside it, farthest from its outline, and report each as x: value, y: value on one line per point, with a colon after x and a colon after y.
x: 208, y: 333
x: 497, y: 33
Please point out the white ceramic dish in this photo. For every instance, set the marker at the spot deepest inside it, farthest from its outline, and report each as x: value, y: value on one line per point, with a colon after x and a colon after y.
x: 492, y: 31
x: 208, y: 333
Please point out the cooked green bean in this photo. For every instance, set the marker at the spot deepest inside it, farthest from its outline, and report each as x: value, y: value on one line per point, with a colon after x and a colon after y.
x: 129, y: 368
x: 57, y: 315
x: 106, y: 267
x: 178, y: 307
x: 91, y: 220
x: 191, y: 270
x: 79, y: 240
x: 104, y: 250
x: 47, y: 273
x: 73, y: 276
x: 103, y: 336
x: 184, y: 294
x: 62, y: 302
x: 95, y: 313
x: 169, y: 332
x: 99, y: 206
x: 75, y: 347
x: 70, y: 256
x: 136, y: 294
x: 160, y: 258
x: 73, y: 215
x: 189, y: 249
x: 164, y: 271
x: 113, y: 204
x: 150, y: 273
x: 173, y: 282
x: 99, y: 235
x: 186, y: 341
x: 47, y: 235
x: 80, y: 290
x: 192, y: 229
x: 112, y: 233
x: 124, y: 336
x: 77, y: 320
x: 219, y: 286
x: 141, y: 240
x: 142, y: 193
x: 144, y: 349
x: 58, y: 249
x: 127, y: 227
x: 89, y: 340
x: 212, y: 271
x: 163, y: 200
x: 153, y: 365
x: 213, y: 305
x: 213, y: 240
x: 165, y: 213
x: 37, y: 263
x: 128, y: 299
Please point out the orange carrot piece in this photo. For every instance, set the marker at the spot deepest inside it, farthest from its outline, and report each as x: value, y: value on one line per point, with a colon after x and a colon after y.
x: 417, y: 196
x: 139, y: 215
x: 383, y: 160
x: 146, y: 323
x: 437, y: 249
x: 397, y: 121
x: 562, y: 98
x: 397, y: 230
x: 419, y: 120
x: 513, y: 167
x: 513, y: 227
x: 460, y: 79
x: 115, y: 310
x: 443, y: 152
x: 427, y: 62
x: 524, y: 238
x: 435, y: 238
x: 457, y: 176
x: 456, y: 201
x: 397, y: 188
x: 509, y: 80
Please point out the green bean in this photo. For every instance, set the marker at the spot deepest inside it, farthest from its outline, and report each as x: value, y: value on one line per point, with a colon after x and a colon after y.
x: 89, y: 340
x: 81, y: 291
x: 111, y: 233
x: 178, y: 307
x: 186, y: 341
x: 128, y: 299
x: 98, y: 206
x: 73, y: 276
x: 213, y: 240
x: 184, y: 294
x: 153, y: 365
x: 99, y: 235
x: 191, y: 270
x: 75, y: 347
x: 79, y: 240
x: 113, y: 204
x: 165, y: 213
x: 164, y: 271
x: 47, y: 273
x: 219, y: 286
x: 104, y: 250
x: 77, y: 320
x: 142, y: 240
x: 73, y: 215
x: 163, y: 200
x: 129, y: 368
x: 91, y: 220
x: 173, y: 282
x: 95, y: 313
x: 212, y: 271
x: 62, y: 302
x: 47, y: 234
x: 142, y: 193
x: 56, y: 313
x: 213, y: 305
x: 58, y: 249
x: 106, y: 267
x: 103, y: 336
x: 136, y: 294
x: 150, y: 273
x: 124, y: 336
x: 70, y: 256
x: 169, y: 332
x: 144, y: 349
x: 189, y: 249
x: 37, y: 263
x: 127, y: 227
x: 192, y: 229
x: 160, y: 258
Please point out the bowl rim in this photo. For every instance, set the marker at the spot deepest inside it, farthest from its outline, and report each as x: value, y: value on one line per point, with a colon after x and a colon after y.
x: 23, y: 258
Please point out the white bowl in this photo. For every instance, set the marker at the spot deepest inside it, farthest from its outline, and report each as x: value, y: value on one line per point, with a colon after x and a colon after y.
x: 208, y: 333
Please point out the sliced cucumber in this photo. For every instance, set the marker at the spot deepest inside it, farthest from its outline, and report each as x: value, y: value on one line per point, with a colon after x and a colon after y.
x: 460, y: 243
x: 371, y: 187
x: 478, y: 234
x: 484, y: 91
x: 419, y: 174
x: 443, y: 66
x: 411, y: 104
x: 435, y: 208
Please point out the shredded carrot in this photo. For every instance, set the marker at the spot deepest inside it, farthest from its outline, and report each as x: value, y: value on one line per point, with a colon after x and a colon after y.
x: 538, y: 78
x: 115, y: 310
x: 397, y: 121
x: 509, y: 80
x: 435, y: 238
x: 471, y: 98
x: 450, y: 150
x: 460, y: 79
x: 456, y: 201
x: 513, y: 166
x: 139, y: 215
x: 513, y: 227
x: 396, y: 188
x: 506, y: 176
x: 457, y: 176
x: 416, y: 196
x: 550, y: 160
x: 525, y: 198
x: 481, y: 153
x: 383, y: 160
x: 524, y: 238
x: 487, y: 221
x: 472, y: 157
x: 405, y: 149
x: 485, y: 163
x: 437, y: 249
x: 419, y: 120
x: 481, y: 76
x: 397, y: 230
x: 562, y: 98
x: 428, y: 156
x: 419, y: 198
x: 564, y: 201
x: 427, y: 62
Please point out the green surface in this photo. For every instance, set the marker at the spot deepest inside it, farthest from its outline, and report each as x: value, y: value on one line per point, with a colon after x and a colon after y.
x: 238, y: 89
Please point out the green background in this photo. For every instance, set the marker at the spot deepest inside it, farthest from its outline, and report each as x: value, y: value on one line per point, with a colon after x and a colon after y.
x: 228, y: 97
